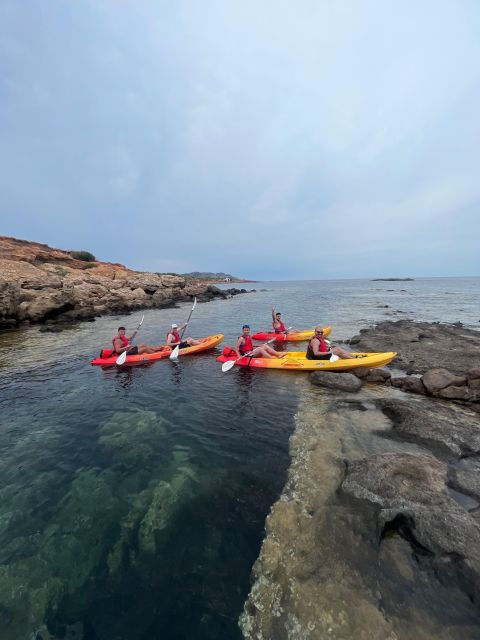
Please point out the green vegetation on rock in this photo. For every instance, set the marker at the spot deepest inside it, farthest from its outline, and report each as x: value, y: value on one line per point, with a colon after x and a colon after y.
x: 85, y: 256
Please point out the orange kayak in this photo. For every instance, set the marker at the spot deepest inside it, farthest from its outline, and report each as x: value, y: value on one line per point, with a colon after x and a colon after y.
x: 291, y: 336
x: 106, y: 358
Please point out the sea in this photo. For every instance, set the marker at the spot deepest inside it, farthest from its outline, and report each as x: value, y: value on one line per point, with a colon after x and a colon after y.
x: 133, y: 501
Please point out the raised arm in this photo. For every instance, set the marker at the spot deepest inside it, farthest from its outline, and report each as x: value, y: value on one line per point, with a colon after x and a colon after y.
x: 273, y: 313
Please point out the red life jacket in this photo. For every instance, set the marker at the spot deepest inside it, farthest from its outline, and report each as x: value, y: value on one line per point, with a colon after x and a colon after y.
x: 280, y: 329
x: 124, y: 340
x: 323, y: 346
x: 247, y: 345
x: 175, y: 334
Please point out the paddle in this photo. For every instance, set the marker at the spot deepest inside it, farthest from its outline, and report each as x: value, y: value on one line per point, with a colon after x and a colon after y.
x: 226, y: 366
x: 123, y: 356
x: 175, y: 352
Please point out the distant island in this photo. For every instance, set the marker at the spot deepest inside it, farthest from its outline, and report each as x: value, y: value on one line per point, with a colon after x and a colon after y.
x: 392, y: 280
x: 213, y: 277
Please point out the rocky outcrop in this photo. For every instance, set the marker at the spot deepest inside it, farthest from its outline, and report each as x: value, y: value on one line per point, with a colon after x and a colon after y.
x: 377, y: 532
x: 422, y: 345
x: 341, y: 381
x: 41, y: 284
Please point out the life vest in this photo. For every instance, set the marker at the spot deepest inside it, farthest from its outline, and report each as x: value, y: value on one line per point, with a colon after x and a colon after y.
x: 247, y: 345
x: 280, y: 329
x: 175, y: 334
x: 323, y: 347
x: 124, y: 340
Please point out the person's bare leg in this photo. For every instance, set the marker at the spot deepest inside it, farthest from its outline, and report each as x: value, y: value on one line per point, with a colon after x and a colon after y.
x: 192, y: 341
x: 267, y: 352
x: 145, y: 348
x: 342, y: 353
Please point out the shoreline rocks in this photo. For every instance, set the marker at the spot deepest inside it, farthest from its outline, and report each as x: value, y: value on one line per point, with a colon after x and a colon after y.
x: 39, y: 284
x: 423, y: 345
x: 377, y: 532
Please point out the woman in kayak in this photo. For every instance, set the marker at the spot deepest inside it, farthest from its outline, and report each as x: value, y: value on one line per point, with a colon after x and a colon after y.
x: 121, y: 343
x: 319, y: 349
x: 173, y: 337
x: 277, y: 323
x: 245, y: 346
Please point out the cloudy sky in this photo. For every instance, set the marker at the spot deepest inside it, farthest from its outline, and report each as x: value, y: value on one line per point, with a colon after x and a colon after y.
x: 275, y: 139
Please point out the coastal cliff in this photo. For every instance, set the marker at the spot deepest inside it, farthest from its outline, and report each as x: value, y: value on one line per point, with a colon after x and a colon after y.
x: 41, y: 284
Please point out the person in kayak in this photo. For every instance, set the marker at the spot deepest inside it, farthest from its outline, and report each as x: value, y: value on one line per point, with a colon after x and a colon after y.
x: 277, y: 323
x: 320, y: 349
x: 121, y: 343
x: 173, y: 337
x: 245, y: 346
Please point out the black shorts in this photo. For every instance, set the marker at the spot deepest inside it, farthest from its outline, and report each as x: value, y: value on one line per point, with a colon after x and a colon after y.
x: 324, y: 356
x: 133, y: 351
x: 184, y: 344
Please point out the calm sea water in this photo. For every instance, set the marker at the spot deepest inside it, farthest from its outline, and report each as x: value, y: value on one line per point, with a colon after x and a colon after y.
x: 132, y: 502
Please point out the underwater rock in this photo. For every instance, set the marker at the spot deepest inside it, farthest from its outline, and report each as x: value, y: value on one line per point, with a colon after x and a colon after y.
x: 133, y: 437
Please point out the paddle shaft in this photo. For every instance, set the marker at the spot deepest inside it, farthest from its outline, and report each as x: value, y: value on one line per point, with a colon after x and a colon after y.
x: 176, y: 351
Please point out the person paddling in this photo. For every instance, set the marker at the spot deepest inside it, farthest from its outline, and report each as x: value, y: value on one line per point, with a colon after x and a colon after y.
x: 121, y: 343
x: 245, y: 346
x: 277, y: 323
x: 319, y: 349
x: 173, y: 337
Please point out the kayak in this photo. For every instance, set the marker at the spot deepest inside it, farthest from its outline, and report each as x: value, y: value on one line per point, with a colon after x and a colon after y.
x: 297, y: 361
x: 292, y: 336
x: 106, y: 358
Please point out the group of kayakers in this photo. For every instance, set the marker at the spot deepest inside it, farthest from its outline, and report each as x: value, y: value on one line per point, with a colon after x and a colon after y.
x: 123, y: 343
x: 318, y: 347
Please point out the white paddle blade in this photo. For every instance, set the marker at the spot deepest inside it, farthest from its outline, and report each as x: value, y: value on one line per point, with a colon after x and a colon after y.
x: 121, y: 359
x: 334, y: 358
x: 194, y: 303
x: 175, y: 352
x: 226, y: 366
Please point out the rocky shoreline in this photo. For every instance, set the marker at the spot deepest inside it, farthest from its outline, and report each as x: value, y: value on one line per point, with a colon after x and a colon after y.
x: 377, y: 532
x: 39, y: 284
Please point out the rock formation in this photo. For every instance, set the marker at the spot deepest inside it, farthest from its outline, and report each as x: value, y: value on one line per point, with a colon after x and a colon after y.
x: 40, y: 284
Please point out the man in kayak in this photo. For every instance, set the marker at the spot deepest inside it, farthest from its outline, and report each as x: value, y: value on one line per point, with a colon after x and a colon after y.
x: 319, y: 349
x: 245, y: 346
x: 277, y: 323
x: 173, y: 337
x: 121, y: 343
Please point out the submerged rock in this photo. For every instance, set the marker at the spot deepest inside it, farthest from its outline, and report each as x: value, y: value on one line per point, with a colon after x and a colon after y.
x: 133, y: 437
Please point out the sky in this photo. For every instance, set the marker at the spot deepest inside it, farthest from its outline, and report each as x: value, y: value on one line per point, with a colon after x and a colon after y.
x: 271, y: 140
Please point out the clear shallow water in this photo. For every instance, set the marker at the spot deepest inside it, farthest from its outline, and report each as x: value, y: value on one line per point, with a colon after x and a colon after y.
x: 132, y: 502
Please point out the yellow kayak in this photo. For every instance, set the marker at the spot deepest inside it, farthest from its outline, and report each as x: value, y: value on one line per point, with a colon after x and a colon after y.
x: 291, y: 336
x: 297, y: 361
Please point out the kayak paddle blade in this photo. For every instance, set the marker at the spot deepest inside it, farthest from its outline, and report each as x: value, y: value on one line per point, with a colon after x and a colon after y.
x: 226, y: 366
x: 174, y: 354
x: 121, y: 359
x: 334, y: 358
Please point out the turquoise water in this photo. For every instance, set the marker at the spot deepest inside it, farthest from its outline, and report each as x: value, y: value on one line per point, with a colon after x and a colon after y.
x: 132, y: 502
